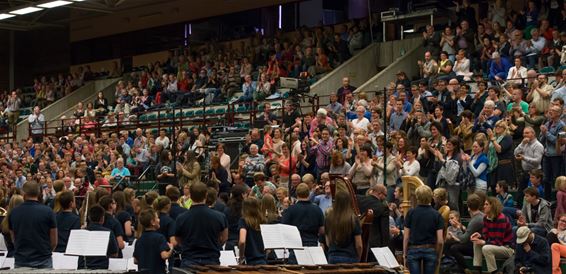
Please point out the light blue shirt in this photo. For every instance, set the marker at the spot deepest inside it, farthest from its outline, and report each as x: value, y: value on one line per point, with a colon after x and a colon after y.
x: 123, y: 172
x: 323, y: 201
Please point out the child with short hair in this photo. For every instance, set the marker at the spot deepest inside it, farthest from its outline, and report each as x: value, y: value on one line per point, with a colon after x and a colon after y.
x: 501, y: 188
x: 456, y: 228
x: 535, y: 180
x: 151, y: 249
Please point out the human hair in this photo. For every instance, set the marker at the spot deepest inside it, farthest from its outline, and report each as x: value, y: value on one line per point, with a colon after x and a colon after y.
x: 455, y: 213
x: 269, y: 209
x: 235, y: 201
x: 496, y: 208
x: 105, y: 202
x: 340, y: 220
x: 31, y: 189
x: 503, y: 185
x: 441, y: 194
x: 424, y: 195
x: 147, y: 199
x: 455, y: 141
x: 145, y: 218
x: 337, y: 158
x: 537, y: 173
x: 96, y: 214
x: 173, y: 193
x: 120, y: 199
x: 468, y: 114
x: 65, y: 199
x: 161, y: 203
x: 211, y: 196
x: 531, y: 191
x: 15, y: 201
x: 474, y: 202
x: 251, y: 213
x: 58, y: 185
x: 302, y: 191
x: 560, y: 183
x: 503, y: 124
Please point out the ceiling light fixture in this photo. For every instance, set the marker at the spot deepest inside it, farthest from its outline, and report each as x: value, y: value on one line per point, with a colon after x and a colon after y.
x: 5, y: 16
x: 25, y: 10
x: 54, y: 4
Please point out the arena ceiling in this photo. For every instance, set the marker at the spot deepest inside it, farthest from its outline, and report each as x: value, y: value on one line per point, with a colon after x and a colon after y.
x: 81, y: 10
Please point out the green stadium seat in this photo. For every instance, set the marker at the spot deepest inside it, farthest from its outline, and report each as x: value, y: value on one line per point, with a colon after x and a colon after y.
x: 260, y: 108
x: 210, y: 111
x: 220, y: 110
x: 189, y: 113
x: 547, y: 70
x: 151, y: 117
x: 199, y: 112
x: 242, y: 109
x: 143, y: 117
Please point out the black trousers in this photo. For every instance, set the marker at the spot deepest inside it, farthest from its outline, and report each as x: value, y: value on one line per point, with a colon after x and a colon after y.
x: 458, y: 251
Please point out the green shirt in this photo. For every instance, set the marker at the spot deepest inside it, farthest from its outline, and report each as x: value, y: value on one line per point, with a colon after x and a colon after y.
x: 524, y: 106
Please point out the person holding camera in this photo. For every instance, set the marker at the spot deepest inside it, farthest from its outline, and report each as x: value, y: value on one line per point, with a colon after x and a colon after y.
x: 540, y: 93
x: 532, y: 253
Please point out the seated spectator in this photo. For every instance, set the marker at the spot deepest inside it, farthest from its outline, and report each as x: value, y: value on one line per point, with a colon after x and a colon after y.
x: 495, y: 239
x: 346, y: 88
x: 487, y: 118
x: 249, y: 88
x: 428, y: 68
x: 462, y: 66
x: 517, y: 74
x: 498, y: 68
x: 517, y: 101
x: 532, y: 253
x: 556, y: 239
x: 431, y: 40
x: 536, y: 213
x: 534, y: 49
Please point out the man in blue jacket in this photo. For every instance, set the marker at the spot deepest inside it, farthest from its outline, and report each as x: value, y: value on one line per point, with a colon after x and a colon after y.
x: 498, y: 68
x: 532, y: 253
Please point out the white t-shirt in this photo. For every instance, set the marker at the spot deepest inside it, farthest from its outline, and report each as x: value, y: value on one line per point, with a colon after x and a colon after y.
x: 362, y: 124
x: 410, y: 169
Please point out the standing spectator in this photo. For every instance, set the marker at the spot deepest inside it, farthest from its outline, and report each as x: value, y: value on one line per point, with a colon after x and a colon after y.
x: 362, y: 170
x: 419, y: 247
x: 399, y: 116
x: 540, y: 93
x: 376, y: 200
x: 478, y: 165
x: 428, y: 68
x: 201, y: 231
x: 431, y: 40
x: 344, y: 89
x: 552, y: 160
x: 530, y: 152
x: 323, y: 149
x: 13, y: 109
x: 254, y: 163
x: 36, y: 123
x: 34, y: 230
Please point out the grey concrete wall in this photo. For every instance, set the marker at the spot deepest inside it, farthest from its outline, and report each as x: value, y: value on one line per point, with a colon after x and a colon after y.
x: 66, y: 105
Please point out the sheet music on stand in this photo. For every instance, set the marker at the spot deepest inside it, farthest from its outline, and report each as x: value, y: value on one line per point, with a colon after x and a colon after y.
x: 227, y: 258
x: 310, y: 255
x: 64, y: 262
x: 280, y: 236
x: 88, y: 243
x: 3, y: 256
x: 385, y: 257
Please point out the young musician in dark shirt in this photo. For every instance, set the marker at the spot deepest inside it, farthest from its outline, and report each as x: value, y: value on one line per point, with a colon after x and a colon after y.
x: 67, y: 220
x: 96, y: 216
x: 201, y: 231
x: 251, y: 243
x: 152, y: 249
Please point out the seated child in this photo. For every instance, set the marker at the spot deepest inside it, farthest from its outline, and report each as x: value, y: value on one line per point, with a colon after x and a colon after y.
x: 456, y: 228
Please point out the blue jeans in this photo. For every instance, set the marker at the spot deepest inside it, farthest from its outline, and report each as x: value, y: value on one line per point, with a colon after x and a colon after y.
x: 47, y: 263
x: 341, y: 259
x: 425, y: 255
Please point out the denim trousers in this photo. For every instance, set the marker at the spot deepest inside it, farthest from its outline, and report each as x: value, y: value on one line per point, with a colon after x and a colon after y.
x: 341, y: 259
x: 425, y: 255
x: 47, y: 263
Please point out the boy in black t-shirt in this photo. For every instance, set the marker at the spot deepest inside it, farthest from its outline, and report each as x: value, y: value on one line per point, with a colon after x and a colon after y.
x: 67, y: 220
x: 152, y: 249
x: 96, y: 219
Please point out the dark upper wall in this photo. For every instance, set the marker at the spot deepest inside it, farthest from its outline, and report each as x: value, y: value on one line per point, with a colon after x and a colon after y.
x: 4, y: 59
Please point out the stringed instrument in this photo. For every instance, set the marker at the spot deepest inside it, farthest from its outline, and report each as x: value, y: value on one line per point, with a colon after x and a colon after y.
x: 338, y: 183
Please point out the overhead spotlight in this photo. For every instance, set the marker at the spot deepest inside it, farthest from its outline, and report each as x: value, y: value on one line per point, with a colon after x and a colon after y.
x: 25, y: 10
x: 54, y: 4
x: 5, y: 16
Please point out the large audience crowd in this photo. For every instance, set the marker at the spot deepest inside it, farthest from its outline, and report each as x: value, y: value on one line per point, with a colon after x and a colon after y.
x: 473, y: 127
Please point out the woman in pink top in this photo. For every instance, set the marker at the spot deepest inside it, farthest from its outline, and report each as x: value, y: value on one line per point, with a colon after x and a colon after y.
x: 560, y: 197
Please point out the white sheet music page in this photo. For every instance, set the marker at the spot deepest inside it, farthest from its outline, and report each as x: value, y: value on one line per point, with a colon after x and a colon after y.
x: 303, y: 257
x: 317, y: 254
x: 291, y: 236
x: 63, y: 262
x: 88, y: 243
x: 115, y: 264
x: 271, y: 237
x: 385, y: 257
x: 227, y: 257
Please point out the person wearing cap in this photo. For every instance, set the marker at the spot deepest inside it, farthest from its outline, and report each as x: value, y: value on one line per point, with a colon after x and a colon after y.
x: 321, y: 119
x: 532, y: 253
x: 498, y: 68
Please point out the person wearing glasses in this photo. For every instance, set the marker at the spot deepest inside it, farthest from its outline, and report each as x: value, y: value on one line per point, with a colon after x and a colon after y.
x: 557, y: 241
x: 500, y: 155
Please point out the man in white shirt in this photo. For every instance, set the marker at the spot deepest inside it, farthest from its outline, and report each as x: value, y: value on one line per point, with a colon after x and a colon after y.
x: 37, y: 122
x: 534, y: 48
x: 462, y: 66
x: 517, y: 73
